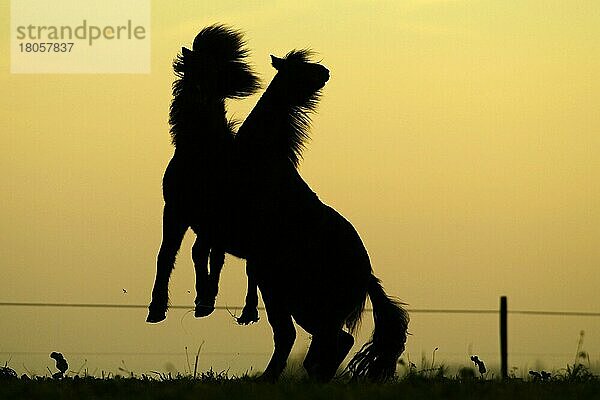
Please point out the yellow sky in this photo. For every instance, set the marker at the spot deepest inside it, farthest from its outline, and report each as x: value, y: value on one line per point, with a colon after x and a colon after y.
x: 461, y: 138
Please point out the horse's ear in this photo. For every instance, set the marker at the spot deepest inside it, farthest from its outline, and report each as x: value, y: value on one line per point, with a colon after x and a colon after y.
x: 185, y: 51
x: 276, y: 62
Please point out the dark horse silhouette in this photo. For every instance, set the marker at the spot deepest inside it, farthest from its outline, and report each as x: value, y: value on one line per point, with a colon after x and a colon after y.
x: 197, y: 183
x: 308, y: 261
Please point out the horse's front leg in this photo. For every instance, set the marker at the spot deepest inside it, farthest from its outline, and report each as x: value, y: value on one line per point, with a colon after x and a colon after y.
x: 250, y: 311
x: 173, y: 232
x: 217, y: 259
x: 200, y: 252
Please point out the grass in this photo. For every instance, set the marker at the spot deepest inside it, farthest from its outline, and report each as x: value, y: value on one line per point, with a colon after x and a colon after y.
x: 222, y: 387
x: 430, y: 382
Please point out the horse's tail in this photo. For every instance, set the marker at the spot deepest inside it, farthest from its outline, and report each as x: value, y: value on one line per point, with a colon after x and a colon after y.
x: 377, y: 359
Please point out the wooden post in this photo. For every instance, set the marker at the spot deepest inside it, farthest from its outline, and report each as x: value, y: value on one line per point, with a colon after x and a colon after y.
x: 503, y: 339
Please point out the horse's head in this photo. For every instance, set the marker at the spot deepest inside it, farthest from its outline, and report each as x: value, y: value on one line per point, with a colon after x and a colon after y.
x: 299, y: 79
x: 216, y: 64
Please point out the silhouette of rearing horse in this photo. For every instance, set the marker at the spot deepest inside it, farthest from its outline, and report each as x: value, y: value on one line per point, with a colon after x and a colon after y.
x: 310, y: 262
x: 198, y: 182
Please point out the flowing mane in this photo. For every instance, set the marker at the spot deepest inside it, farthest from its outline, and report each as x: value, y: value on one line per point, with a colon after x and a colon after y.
x: 300, y: 120
x: 302, y: 55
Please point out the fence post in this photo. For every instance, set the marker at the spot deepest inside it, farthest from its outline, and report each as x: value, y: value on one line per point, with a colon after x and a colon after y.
x: 503, y: 339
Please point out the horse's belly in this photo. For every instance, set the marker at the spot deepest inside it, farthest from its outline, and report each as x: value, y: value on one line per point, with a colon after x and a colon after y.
x: 319, y: 299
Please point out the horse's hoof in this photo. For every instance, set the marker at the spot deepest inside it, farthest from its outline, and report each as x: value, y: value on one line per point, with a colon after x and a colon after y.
x: 249, y: 316
x: 155, y: 318
x: 202, y: 310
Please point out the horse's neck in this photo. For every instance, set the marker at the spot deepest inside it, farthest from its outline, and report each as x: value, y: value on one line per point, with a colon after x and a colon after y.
x: 198, y: 124
x: 266, y: 122
x: 272, y: 109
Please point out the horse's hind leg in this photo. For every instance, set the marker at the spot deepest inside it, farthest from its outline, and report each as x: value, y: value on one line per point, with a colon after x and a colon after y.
x: 345, y: 343
x: 326, y: 353
x: 200, y: 252
x: 284, y: 335
x: 173, y: 231
x: 250, y: 311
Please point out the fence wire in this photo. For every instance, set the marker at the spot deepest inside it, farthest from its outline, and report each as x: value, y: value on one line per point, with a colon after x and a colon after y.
x: 237, y: 307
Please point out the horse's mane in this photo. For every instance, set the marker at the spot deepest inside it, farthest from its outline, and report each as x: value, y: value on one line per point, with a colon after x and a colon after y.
x: 219, y: 42
x: 225, y: 50
x: 298, y: 132
x: 302, y: 55
x: 290, y: 141
x: 180, y: 108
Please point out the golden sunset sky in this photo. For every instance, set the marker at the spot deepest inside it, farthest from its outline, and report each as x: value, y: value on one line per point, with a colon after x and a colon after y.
x: 461, y: 138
